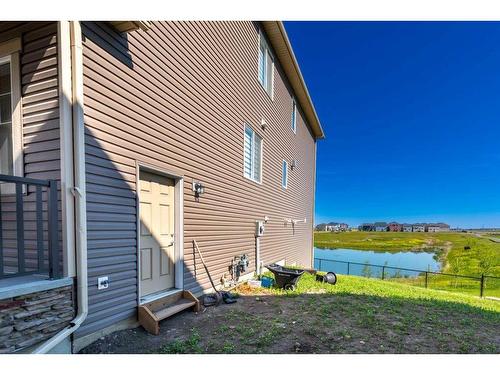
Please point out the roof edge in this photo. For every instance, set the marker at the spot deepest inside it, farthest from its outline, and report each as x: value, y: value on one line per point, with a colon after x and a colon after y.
x: 278, y: 37
x: 128, y: 26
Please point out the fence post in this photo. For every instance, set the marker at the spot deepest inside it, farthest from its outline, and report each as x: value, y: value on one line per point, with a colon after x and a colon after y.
x: 383, y: 272
x: 426, y: 278
x: 348, y: 266
x: 481, y: 292
x: 53, y: 230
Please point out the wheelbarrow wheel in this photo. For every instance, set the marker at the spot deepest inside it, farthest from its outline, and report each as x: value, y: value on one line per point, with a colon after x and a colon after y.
x: 291, y: 287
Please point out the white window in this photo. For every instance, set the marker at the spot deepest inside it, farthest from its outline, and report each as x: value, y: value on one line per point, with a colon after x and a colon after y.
x: 11, y: 162
x: 265, y: 66
x: 294, y: 116
x: 252, y: 155
x: 6, y: 141
x: 284, y: 175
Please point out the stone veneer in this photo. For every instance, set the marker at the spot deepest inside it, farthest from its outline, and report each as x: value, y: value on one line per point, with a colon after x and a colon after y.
x: 29, y: 319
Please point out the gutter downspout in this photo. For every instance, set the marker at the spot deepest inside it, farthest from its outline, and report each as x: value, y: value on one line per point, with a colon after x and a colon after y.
x: 74, y: 29
x: 314, y: 201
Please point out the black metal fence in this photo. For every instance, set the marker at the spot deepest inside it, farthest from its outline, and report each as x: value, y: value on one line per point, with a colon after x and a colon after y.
x: 483, y: 285
x: 29, y: 242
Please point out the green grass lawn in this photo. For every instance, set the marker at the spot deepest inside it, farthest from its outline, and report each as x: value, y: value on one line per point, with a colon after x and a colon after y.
x: 357, y: 315
x: 386, y: 241
x: 356, y: 285
x: 481, y: 257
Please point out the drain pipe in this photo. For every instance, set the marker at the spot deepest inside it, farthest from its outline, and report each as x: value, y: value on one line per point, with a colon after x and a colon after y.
x: 72, y: 31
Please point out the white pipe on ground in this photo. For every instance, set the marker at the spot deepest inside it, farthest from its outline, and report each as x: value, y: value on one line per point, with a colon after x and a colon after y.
x: 72, y: 31
x: 258, y: 268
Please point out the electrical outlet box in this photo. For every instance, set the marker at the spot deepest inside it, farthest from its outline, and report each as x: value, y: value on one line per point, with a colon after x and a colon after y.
x: 102, y: 282
x: 259, y: 228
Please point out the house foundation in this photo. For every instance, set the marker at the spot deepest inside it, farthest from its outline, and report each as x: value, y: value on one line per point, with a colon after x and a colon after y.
x: 29, y: 319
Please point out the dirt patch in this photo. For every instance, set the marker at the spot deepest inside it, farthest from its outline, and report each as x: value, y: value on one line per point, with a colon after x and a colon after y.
x: 314, y: 323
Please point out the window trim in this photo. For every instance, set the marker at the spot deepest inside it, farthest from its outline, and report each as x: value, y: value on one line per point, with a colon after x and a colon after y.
x: 254, y: 133
x: 284, y: 167
x: 294, y: 116
x: 9, y: 52
x: 263, y: 40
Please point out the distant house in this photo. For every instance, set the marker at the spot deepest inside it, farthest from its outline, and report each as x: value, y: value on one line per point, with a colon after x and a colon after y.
x: 394, y: 227
x: 343, y: 227
x: 321, y: 227
x: 332, y: 227
x: 444, y: 227
x: 380, y: 226
x: 367, y: 227
x: 439, y: 227
x: 419, y: 227
x: 336, y: 227
x: 407, y: 227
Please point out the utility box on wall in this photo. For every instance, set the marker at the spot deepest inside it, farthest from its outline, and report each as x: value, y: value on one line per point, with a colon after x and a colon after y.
x: 259, y: 228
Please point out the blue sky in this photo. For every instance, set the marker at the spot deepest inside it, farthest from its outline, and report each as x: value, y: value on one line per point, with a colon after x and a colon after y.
x: 411, y: 112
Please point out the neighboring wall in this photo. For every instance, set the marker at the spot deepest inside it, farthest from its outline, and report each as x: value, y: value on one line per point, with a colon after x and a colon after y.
x: 40, y: 111
x: 177, y: 97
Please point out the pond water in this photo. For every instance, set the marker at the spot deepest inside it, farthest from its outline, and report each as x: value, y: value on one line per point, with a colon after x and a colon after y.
x: 332, y: 260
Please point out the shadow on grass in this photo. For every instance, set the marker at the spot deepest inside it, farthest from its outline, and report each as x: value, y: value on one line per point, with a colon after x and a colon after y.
x: 319, y: 321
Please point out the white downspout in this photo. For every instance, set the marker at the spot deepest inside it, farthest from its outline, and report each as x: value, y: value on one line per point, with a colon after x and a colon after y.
x: 74, y: 29
x: 314, y: 201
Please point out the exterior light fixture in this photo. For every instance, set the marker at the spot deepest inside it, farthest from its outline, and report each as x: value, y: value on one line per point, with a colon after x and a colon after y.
x: 263, y: 123
x: 293, y: 164
x: 198, y: 188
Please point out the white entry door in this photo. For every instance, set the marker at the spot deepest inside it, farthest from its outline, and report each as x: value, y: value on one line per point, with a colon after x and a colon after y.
x: 157, y: 255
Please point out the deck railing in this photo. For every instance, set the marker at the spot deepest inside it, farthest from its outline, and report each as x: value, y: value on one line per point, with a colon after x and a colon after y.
x: 29, y: 233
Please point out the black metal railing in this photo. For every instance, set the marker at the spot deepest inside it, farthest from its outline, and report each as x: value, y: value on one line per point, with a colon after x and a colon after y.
x: 26, y: 197
x: 425, y: 278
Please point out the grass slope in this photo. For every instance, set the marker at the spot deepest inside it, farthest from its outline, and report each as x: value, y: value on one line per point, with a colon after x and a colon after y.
x: 357, y: 315
x: 355, y: 285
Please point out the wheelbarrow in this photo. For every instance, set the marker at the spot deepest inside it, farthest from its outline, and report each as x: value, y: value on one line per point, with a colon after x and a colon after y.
x: 286, y: 278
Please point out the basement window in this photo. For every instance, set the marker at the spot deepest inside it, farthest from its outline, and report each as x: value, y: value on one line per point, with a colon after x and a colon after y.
x: 252, y: 155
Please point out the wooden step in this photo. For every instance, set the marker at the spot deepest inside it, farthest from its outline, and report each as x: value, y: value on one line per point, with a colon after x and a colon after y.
x: 150, y: 314
x: 179, y: 306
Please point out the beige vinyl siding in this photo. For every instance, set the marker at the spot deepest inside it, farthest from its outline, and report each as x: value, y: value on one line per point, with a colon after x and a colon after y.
x: 177, y: 97
x: 40, y: 119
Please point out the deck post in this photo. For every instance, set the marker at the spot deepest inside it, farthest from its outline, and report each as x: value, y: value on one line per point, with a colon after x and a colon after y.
x: 53, y: 232
x: 39, y: 228
x: 20, y: 227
